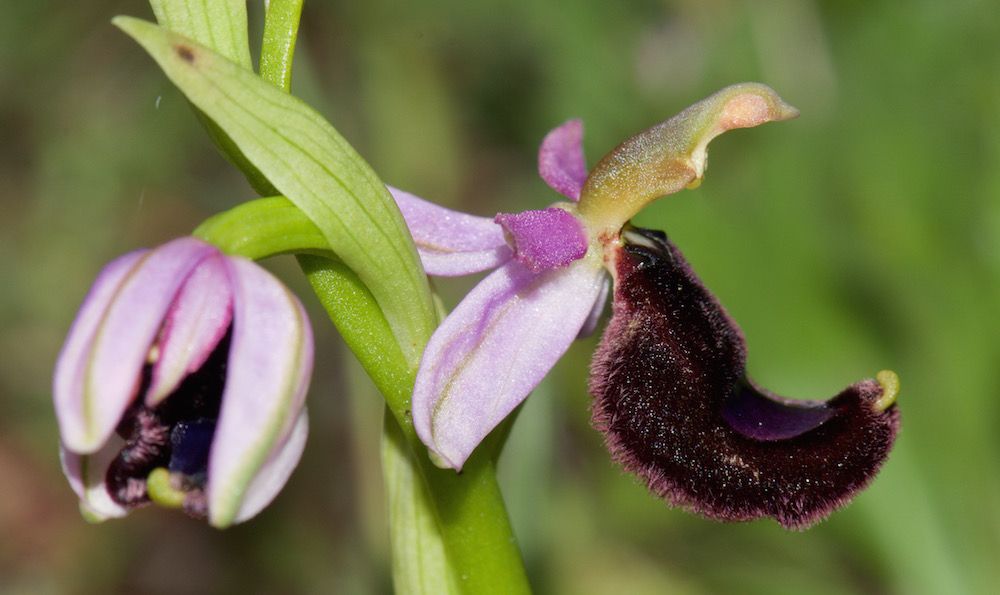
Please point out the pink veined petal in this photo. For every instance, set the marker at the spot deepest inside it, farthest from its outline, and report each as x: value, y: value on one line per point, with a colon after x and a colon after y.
x: 560, y: 159
x: 87, y: 475
x: 270, y: 362
x: 196, y: 322
x: 275, y: 472
x: 494, y: 348
x: 123, y: 338
x: 70, y: 372
x: 547, y: 239
x: 451, y: 243
x: 595, y: 314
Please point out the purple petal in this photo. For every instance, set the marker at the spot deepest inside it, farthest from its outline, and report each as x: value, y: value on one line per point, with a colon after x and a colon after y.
x: 123, y: 339
x: 275, y: 472
x: 87, y: 475
x: 560, y: 159
x: 270, y: 361
x: 71, y: 367
x: 494, y: 348
x: 451, y: 243
x: 196, y: 322
x: 595, y: 314
x: 546, y: 239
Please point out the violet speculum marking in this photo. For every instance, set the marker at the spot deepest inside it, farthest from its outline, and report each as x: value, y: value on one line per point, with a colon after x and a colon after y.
x: 669, y: 380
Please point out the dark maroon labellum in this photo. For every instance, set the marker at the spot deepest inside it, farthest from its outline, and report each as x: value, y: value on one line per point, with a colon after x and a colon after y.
x: 675, y: 405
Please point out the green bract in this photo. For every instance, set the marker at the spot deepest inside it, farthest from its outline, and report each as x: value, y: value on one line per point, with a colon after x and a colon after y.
x: 310, y: 163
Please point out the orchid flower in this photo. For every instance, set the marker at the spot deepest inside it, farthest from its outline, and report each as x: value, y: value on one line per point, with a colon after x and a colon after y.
x: 182, y: 382
x: 669, y: 379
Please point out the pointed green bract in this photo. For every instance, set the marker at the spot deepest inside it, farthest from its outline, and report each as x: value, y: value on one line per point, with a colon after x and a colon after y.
x: 221, y: 25
x: 308, y: 161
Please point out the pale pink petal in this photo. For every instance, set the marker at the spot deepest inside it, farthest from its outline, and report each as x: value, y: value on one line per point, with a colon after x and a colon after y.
x: 275, y: 472
x: 546, y: 239
x: 270, y: 362
x: 71, y: 367
x: 120, y: 344
x: 451, y: 243
x: 494, y: 348
x: 560, y: 159
x: 196, y: 322
x: 87, y: 475
x: 595, y: 315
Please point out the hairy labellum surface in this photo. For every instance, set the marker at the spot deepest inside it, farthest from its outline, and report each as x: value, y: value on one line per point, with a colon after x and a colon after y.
x: 676, y: 407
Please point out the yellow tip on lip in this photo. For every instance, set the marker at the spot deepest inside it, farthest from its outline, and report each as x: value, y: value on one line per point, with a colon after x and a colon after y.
x: 161, y: 490
x: 889, y: 381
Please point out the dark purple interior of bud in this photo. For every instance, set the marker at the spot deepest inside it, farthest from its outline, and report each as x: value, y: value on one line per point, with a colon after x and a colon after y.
x: 190, y: 442
x: 675, y: 405
x: 176, y: 434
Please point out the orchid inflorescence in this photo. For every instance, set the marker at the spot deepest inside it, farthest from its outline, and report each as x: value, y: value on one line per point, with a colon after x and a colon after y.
x: 183, y: 379
x: 669, y: 378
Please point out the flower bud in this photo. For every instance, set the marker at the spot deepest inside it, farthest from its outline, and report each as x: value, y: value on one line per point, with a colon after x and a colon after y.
x: 182, y: 382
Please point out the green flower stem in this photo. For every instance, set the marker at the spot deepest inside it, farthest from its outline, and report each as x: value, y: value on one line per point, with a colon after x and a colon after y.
x: 468, y: 507
x: 281, y: 30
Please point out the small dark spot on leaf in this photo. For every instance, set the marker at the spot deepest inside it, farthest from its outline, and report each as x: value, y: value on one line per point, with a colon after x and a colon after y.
x: 186, y: 53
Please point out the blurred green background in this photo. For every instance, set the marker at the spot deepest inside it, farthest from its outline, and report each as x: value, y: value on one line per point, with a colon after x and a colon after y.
x: 864, y: 235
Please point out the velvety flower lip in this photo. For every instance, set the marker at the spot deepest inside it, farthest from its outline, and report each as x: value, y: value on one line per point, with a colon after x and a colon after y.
x: 674, y: 402
x: 182, y: 381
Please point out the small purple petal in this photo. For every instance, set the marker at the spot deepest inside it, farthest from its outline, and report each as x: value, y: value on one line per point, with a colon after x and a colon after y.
x: 196, y: 322
x: 87, y: 475
x: 546, y: 239
x: 451, y: 243
x: 71, y: 367
x: 273, y: 475
x: 560, y: 159
x: 494, y: 348
x: 595, y: 314
x: 270, y: 361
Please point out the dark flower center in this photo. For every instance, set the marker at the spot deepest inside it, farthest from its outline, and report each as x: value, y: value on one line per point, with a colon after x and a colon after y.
x: 176, y: 435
